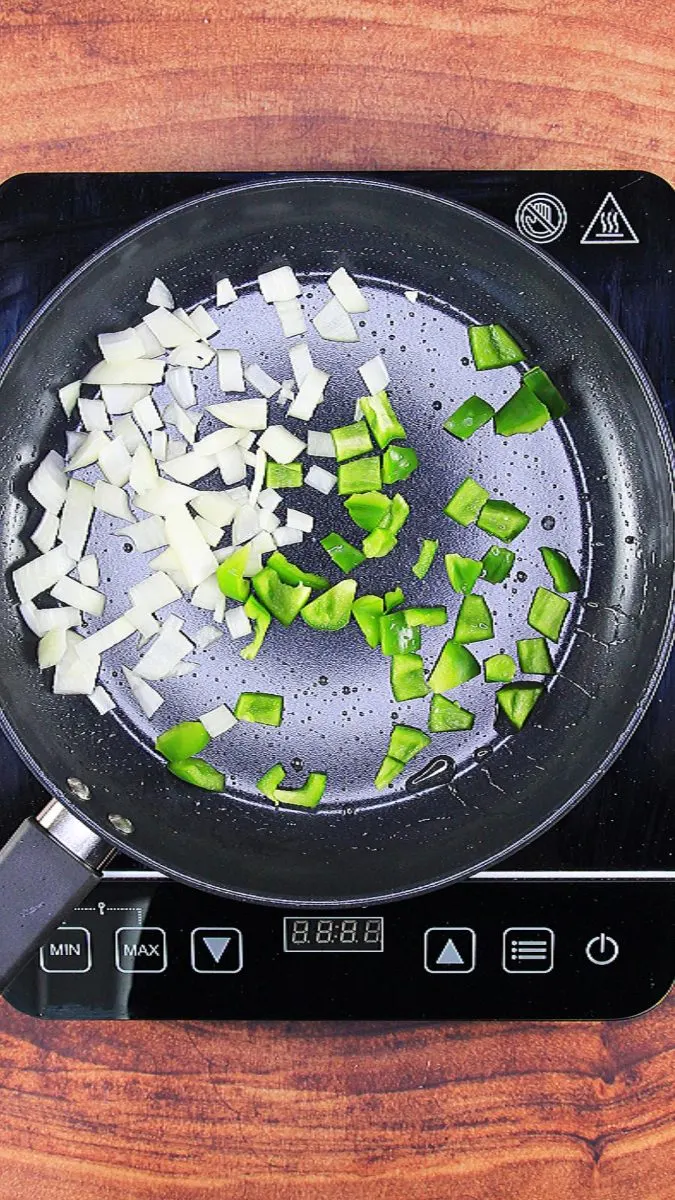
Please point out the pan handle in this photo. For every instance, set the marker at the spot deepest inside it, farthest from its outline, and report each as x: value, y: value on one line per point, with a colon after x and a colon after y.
x: 50, y: 863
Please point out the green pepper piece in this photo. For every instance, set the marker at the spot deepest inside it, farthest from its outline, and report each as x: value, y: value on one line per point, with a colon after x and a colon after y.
x: 429, y: 616
x: 454, y: 665
x: 406, y: 743
x: 271, y: 780
x: 368, y: 509
x: 547, y: 613
x: 397, y: 636
x: 499, y: 668
x: 462, y: 572
x: 446, y: 716
x: 469, y: 417
x: 362, y: 475
x: 559, y: 567
x: 199, y: 773
x: 182, y: 741
x: 407, y: 677
x: 466, y: 503
x: 517, y: 700
x: 367, y: 611
x: 262, y: 620
x: 501, y: 519
x: 351, y: 440
x: 289, y: 573
x: 397, y: 516
x: 344, y: 555
x: 497, y: 564
x: 393, y: 599
x: 425, y: 558
x: 383, y: 422
x: 307, y: 796
x: 474, y: 621
x: 388, y: 771
x: 379, y: 543
x: 259, y: 708
x: 283, y: 475
x: 398, y: 462
x: 534, y: 657
x: 230, y: 575
x: 282, y: 600
x: 545, y: 390
x: 522, y: 413
x: 492, y: 346
x: 332, y: 609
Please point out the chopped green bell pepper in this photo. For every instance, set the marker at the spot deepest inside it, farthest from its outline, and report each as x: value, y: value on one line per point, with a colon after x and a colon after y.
x: 545, y: 390
x: 288, y: 572
x: 259, y: 708
x: 534, y: 657
x: 262, y: 620
x: 407, y: 677
x: 362, y: 475
x: 469, y: 417
x: 344, y: 555
x: 282, y: 600
x: 230, y: 575
x: 332, y: 609
x: 454, y: 665
x: 446, y: 716
x: 429, y: 616
x: 367, y: 611
x: 308, y: 796
x: 517, y: 700
x: 425, y: 558
x: 388, y: 771
x: 466, y: 503
x: 501, y: 519
x: 351, y: 440
x: 199, y: 773
x: 499, y: 668
x: 398, y: 462
x: 522, y: 413
x: 474, y: 621
x: 406, y: 743
x: 397, y: 516
x: 182, y: 741
x: 283, y: 475
x: 559, y: 567
x: 547, y: 613
x: 492, y: 346
x: 384, y: 424
x: 497, y: 564
x: 270, y: 781
x: 368, y: 509
x: 379, y: 543
x: 397, y: 636
x: 462, y: 572
x: 393, y: 599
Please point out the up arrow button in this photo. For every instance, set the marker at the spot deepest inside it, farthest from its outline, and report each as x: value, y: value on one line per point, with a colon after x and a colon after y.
x: 216, y: 951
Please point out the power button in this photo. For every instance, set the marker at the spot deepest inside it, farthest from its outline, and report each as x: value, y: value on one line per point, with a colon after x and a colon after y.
x: 602, y: 950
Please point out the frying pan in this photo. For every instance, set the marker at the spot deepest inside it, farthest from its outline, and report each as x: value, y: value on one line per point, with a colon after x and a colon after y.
x: 598, y: 484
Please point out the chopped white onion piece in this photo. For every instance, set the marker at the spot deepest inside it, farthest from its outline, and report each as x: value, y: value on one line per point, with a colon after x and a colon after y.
x: 164, y: 654
x: 190, y: 467
x: 87, y: 599
x: 412, y: 296
x: 180, y: 385
x: 78, y: 511
x: 102, y: 700
x: 334, y: 324
x: 279, y: 284
x: 121, y: 346
x: 153, y: 592
x: 174, y: 449
x: 127, y: 429
x: 195, y: 354
x: 158, y: 444
x: 186, y: 426
x: 51, y: 648
x: 89, y: 451
x: 321, y: 480
x: 115, y: 462
x: 137, y: 370
x: 231, y: 465
x: 206, y: 636
x: 41, y: 620
x: 246, y: 439
x: 181, y: 668
x: 169, y: 329
x: 225, y: 293
x: 146, y: 414
x: 218, y: 720
x: 213, y: 443
x: 75, y: 676
x: 287, y: 537
x: 148, y: 534
x: 244, y: 414
x: 186, y: 318
x: 374, y: 374
x: 287, y: 391
x: 230, y: 371
x: 259, y: 464
x: 160, y: 295
x: 281, y: 445
x: 93, y: 413
x: 146, y: 697
x: 143, y: 473
x: 120, y: 399
x: 259, y: 379
x: 167, y: 561
x: 297, y: 519
x: 74, y: 440
x: 238, y: 624
x: 194, y: 553
x: 219, y: 608
x: 224, y: 552
x: 301, y: 361
x: 88, y: 572
x: 151, y: 347
x: 108, y: 636
x: 144, y: 621
x: 215, y: 507
x: 207, y: 594
x: 212, y: 534
x: 69, y: 396
x: 45, y: 535
x: 320, y: 445
x: 245, y: 525
x: 269, y: 499
x: 347, y: 291
x: 48, y: 484
x: 161, y: 499
x: 203, y: 323
x: 291, y: 317
x: 112, y: 500
x: 262, y: 543
x: 309, y: 394
x: 269, y: 521
x: 42, y: 573
x: 249, y: 458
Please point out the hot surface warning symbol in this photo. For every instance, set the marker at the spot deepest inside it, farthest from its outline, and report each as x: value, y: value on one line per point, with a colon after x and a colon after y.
x: 610, y: 226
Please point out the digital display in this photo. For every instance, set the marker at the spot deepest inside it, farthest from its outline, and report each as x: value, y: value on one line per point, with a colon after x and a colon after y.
x: 337, y: 934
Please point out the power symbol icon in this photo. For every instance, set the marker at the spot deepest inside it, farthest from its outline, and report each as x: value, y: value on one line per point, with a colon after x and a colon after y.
x: 602, y: 950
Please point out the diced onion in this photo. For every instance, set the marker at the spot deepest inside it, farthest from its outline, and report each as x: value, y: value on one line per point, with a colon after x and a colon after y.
x: 411, y: 296
x: 259, y: 379
x: 207, y: 595
x: 186, y: 426
x: 287, y: 391
x: 291, y: 317
x: 246, y: 439
x: 137, y: 370
x: 259, y: 465
x: 104, y: 639
x: 121, y: 398
x: 88, y: 572
x: 225, y: 293
x: 279, y: 284
x: 269, y: 499
x: 218, y: 720
x: 301, y: 361
x: 297, y: 519
x: 245, y: 525
x: 143, y: 473
x: 309, y: 394
x: 87, y: 599
x: 145, y: 696
x: 153, y: 592
x: 160, y: 295
x: 262, y: 543
x: 181, y: 668
x: 121, y: 346
x: 320, y: 445
x: 231, y: 465
x: 161, y: 499
x: 74, y: 440
x: 158, y: 444
x: 269, y: 521
x: 281, y: 445
x: 375, y: 374
x: 48, y: 484
x: 51, y: 648
x: 244, y: 414
x: 333, y: 324
x: 190, y: 467
x: 174, y: 449
x: 186, y: 539
x: 168, y: 561
x: 127, y: 429
x: 164, y: 654
x: 42, y: 573
x: 152, y: 348
x: 186, y: 318
x: 41, y: 620
x: 169, y: 329
x: 112, y: 500
x: 146, y: 414
x: 45, y: 535
x: 148, y: 534
x: 213, y: 443
x: 238, y: 624
x: 347, y: 291
x: 212, y: 534
x: 93, y: 413
x: 215, y: 507
x: 287, y: 537
x: 321, y: 480
x: 75, y: 676
x: 69, y: 396
x: 144, y: 621
x: 78, y: 511
x: 195, y: 354
x: 115, y: 462
x: 203, y: 323
x: 230, y: 371
x: 180, y: 385
x: 89, y: 451
x: 249, y: 458
x: 102, y: 700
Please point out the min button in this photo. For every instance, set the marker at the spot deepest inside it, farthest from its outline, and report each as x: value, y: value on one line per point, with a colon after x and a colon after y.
x: 68, y: 951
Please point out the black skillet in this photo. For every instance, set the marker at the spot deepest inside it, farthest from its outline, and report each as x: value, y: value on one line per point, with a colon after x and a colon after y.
x: 598, y: 484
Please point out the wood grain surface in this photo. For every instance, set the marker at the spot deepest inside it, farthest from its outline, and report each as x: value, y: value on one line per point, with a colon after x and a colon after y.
x: 336, y: 1112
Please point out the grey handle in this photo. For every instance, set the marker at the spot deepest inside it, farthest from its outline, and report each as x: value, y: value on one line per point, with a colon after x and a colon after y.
x: 46, y: 867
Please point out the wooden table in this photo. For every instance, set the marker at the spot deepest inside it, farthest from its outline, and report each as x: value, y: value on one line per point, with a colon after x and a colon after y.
x: 368, y: 1112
